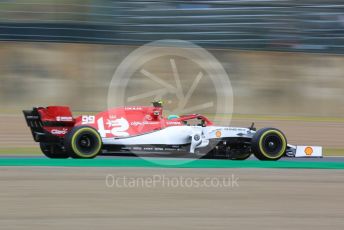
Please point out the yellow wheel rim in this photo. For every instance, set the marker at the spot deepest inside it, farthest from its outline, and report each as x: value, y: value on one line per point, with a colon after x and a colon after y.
x: 284, y: 144
x: 75, y: 148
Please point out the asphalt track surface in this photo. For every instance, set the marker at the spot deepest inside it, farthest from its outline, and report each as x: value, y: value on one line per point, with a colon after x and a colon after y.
x: 79, y: 198
x: 287, y: 194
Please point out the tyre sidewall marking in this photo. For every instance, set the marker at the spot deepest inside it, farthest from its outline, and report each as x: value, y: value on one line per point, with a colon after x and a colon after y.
x: 284, y: 143
x: 76, y: 150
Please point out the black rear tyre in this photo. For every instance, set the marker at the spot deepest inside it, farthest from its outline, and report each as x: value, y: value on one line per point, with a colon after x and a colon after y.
x: 83, y: 142
x: 269, y: 144
x: 53, y: 150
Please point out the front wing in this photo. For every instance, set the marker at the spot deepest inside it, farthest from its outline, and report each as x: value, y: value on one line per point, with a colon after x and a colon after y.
x: 305, y: 151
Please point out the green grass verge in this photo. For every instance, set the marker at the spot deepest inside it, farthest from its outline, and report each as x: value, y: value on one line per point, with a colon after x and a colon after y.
x: 333, y: 152
x: 20, y: 151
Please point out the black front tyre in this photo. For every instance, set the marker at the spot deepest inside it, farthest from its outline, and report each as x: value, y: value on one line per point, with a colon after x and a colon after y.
x: 269, y: 144
x: 53, y: 151
x: 83, y: 142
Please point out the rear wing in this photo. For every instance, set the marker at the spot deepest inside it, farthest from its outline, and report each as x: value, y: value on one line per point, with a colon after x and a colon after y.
x: 46, y: 123
x: 34, y: 122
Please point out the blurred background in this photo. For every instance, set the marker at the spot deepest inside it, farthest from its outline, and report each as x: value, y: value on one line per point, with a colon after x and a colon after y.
x: 284, y: 58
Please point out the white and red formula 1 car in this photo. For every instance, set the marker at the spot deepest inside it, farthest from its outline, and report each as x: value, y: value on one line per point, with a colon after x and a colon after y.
x: 143, y: 129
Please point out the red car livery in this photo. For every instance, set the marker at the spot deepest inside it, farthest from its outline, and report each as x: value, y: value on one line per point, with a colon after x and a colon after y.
x: 138, y: 129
